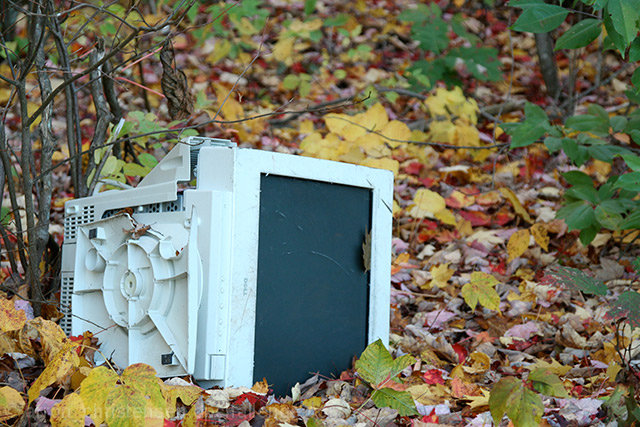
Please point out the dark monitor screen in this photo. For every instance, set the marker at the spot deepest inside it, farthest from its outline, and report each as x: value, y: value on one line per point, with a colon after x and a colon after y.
x: 312, y: 298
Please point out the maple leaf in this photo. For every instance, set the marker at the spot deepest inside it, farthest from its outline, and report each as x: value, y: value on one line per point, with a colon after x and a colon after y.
x: 522, y: 406
x: 94, y: 390
x: 376, y: 366
x: 626, y: 307
x: 399, y: 400
x: 440, y: 275
x: 70, y: 411
x: 574, y: 279
x: 547, y: 383
x: 481, y: 290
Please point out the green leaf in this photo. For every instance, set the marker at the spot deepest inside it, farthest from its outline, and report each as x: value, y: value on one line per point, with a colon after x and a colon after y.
x: 582, y: 192
x: 540, y: 18
x: 577, y: 215
x: 635, y: 78
x: 580, y: 35
x: 134, y: 169
x: 574, y: 279
x: 624, y: 17
x: 588, y: 234
x: 588, y: 123
x: 629, y: 181
x: 577, y: 178
x: 632, y: 161
x: 618, y: 123
x: 5, y: 215
x: 394, y: 399
x: 577, y: 153
x: 631, y: 221
x: 481, y: 290
x: 627, y: 307
x: 612, y: 35
x: 290, y: 82
x: 535, y: 125
x: 376, y: 365
x: 608, y: 219
x: 523, y: 407
x: 547, y: 383
x: 553, y: 143
x: 309, y: 6
x: 634, y: 50
x: 432, y: 37
x: 147, y: 160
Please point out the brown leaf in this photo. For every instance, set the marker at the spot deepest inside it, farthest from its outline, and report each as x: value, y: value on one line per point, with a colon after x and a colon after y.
x: 174, y: 85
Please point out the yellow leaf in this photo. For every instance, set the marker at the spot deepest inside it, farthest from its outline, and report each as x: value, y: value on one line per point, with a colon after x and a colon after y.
x: 7, y: 344
x: 32, y: 107
x: 396, y: 130
x: 69, y: 412
x: 373, y: 145
x: 283, y: 50
x: 476, y: 402
x: 426, y: 204
x: 442, y: 131
x: 448, y: 103
x: 126, y: 406
x: 384, y: 163
x: 481, y: 290
x: 354, y: 155
x: 446, y: 217
x: 540, y: 235
x: 11, y: 319
x: 336, y: 122
x: 188, y: 394
x: 306, y: 126
x: 480, y: 363
x: 191, y: 418
x: 52, y: 338
x: 231, y: 109
x: 518, y: 244
x: 429, y: 394
x: 612, y: 371
x: 352, y: 129
x: 143, y: 378
x: 554, y: 367
x: 440, y: 275
x: 11, y: 403
x: 60, y: 366
x: 375, y: 118
x: 313, y: 402
x: 517, y: 206
x: 222, y: 49
x: 94, y: 391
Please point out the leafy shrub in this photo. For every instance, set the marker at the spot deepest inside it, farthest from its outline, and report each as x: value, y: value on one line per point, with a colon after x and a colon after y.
x: 432, y: 32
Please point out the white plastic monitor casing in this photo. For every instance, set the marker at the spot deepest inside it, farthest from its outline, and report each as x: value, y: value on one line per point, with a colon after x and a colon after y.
x: 197, y: 260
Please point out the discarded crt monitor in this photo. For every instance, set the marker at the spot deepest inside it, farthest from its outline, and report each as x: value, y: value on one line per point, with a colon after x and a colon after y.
x: 274, y: 266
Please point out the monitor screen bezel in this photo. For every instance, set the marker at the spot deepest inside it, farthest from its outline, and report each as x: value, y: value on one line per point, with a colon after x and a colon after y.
x: 249, y: 166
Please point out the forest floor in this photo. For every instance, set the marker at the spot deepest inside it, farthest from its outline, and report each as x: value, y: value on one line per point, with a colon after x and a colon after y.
x: 481, y: 216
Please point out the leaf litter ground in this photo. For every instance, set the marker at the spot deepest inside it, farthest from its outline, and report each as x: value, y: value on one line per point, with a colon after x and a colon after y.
x: 474, y: 231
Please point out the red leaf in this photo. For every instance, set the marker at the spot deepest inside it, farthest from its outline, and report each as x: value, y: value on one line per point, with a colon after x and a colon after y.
x: 476, y: 218
x: 460, y: 351
x: 433, y: 376
x: 414, y: 168
x: 431, y: 418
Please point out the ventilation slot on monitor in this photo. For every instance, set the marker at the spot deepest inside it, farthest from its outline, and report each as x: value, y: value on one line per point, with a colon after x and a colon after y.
x: 65, y: 302
x: 73, y: 220
x: 172, y: 206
